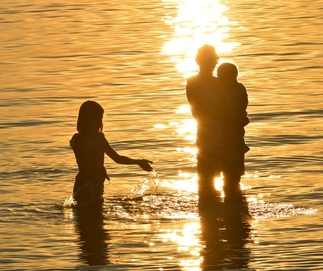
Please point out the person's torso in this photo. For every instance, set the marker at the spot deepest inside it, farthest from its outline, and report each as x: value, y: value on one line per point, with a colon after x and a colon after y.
x: 89, y: 153
x: 217, y: 108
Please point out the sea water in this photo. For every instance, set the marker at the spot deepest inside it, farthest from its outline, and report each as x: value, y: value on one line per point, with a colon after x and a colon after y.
x: 133, y: 57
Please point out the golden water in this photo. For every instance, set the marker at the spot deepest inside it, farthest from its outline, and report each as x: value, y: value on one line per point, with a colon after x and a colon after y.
x: 133, y: 57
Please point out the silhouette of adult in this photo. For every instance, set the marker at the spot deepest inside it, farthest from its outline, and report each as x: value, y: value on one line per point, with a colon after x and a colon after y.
x: 218, y: 110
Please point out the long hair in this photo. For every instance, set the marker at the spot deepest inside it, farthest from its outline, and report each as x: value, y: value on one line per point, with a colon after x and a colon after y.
x: 90, y: 118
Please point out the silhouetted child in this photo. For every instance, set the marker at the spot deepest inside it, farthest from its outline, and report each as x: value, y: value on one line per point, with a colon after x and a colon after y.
x: 90, y: 146
x: 227, y: 74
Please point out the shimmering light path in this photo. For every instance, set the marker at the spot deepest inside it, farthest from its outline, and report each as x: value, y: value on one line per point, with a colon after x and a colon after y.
x: 197, y: 23
x: 133, y: 58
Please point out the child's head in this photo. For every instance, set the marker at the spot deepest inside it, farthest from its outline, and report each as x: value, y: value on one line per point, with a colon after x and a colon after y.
x: 90, y: 118
x: 207, y: 57
x: 228, y: 71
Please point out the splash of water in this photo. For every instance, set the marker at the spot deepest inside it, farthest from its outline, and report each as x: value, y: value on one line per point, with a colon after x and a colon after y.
x: 69, y: 202
x: 148, y: 186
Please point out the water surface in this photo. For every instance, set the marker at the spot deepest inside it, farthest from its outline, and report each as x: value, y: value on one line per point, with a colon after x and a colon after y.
x: 133, y: 58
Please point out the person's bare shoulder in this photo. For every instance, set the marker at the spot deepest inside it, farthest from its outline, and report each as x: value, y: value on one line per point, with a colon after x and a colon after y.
x: 74, y: 140
x: 191, y: 81
x: 102, y: 139
x: 191, y: 85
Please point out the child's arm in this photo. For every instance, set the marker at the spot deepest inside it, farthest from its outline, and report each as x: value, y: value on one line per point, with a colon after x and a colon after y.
x: 244, y: 103
x: 120, y: 159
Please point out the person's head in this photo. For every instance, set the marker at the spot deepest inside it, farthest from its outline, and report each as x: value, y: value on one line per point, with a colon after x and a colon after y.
x: 90, y: 118
x: 207, y: 58
x: 228, y: 72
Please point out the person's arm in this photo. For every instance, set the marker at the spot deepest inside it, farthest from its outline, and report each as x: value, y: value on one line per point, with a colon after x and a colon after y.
x: 125, y: 160
x: 244, y: 104
x: 190, y: 98
x: 245, y: 101
x: 73, y: 141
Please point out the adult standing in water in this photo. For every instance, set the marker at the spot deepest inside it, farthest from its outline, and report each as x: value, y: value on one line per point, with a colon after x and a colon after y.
x: 219, y: 106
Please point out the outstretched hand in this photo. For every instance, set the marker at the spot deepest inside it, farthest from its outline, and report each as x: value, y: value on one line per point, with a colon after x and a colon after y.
x: 145, y: 164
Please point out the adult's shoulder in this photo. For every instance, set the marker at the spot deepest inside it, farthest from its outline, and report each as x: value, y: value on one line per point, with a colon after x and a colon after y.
x: 192, y: 78
x: 191, y: 87
x: 191, y: 81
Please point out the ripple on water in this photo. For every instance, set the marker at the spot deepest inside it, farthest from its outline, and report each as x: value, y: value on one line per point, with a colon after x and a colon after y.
x: 181, y: 206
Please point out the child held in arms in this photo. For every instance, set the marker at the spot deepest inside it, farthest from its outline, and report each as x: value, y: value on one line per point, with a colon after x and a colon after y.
x: 227, y: 74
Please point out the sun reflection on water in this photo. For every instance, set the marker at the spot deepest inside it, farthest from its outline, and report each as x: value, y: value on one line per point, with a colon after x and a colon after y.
x: 197, y: 23
x: 187, y: 129
x: 187, y: 182
x: 188, y: 243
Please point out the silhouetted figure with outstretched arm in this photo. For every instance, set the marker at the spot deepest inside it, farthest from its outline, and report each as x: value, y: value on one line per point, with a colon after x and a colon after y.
x: 219, y: 106
x: 90, y: 146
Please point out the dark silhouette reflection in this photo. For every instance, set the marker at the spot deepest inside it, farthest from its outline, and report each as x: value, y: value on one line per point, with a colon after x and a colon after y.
x: 225, y: 231
x: 219, y: 105
x: 93, y: 237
